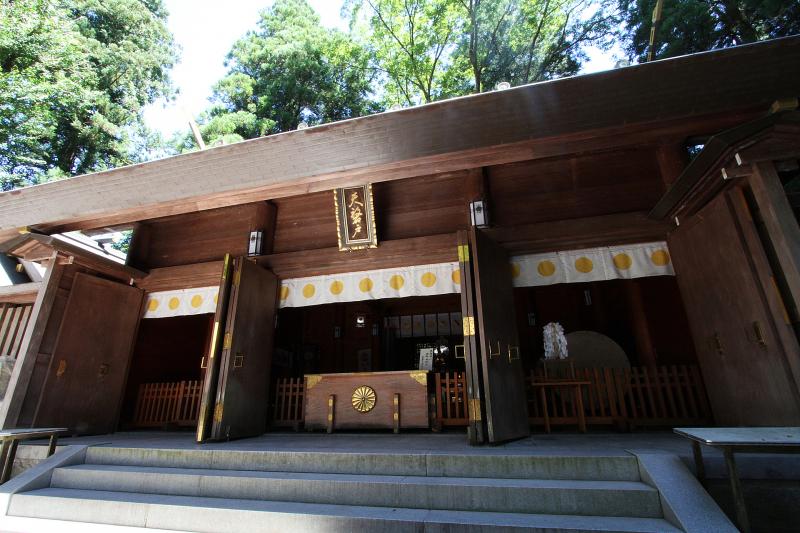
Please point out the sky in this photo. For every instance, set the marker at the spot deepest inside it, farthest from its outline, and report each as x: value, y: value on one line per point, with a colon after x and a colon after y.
x: 205, y: 31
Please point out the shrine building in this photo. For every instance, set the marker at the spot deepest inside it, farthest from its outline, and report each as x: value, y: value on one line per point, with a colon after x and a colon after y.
x: 413, y: 270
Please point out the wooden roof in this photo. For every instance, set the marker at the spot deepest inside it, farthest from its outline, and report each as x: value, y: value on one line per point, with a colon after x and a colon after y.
x: 662, y: 101
x: 729, y: 155
x: 36, y: 247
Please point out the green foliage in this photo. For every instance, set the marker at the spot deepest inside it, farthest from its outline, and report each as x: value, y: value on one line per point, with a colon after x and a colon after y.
x: 411, y: 44
x: 690, y: 26
x: 74, y: 75
x: 433, y: 49
x: 531, y: 40
x: 290, y: 69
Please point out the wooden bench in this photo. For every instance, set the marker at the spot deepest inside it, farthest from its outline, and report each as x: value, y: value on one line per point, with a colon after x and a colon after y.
x: 740, y: 440
x: 11, y: 437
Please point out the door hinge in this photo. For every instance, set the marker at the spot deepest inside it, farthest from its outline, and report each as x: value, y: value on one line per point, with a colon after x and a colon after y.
x: 237, y: 277
x: 468, y: 323
x: 463, y: 253
x: 227, y: 341
x: 218, y: 413
x: 475, y: 409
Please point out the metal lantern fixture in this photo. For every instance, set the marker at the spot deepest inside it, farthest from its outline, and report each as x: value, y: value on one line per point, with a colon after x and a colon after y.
x: 479, y: 214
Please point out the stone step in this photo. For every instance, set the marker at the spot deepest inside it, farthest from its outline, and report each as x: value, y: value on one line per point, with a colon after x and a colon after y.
x: 579, y: 497
x: 587, y: 467
x: 217, y: 515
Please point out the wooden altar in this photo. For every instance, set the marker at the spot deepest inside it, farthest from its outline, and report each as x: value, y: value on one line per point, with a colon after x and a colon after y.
x: 367, y: 400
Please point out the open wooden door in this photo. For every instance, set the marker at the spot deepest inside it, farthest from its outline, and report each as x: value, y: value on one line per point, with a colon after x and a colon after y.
x: 743, y: 336
x: 476, y: 429
x: 243, y: 390
x: 502, y: 376
x: 211, y: 362
x: 86, y: 379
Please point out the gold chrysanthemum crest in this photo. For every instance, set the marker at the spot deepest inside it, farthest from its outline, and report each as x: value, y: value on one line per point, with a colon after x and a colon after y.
x: 364, y: 399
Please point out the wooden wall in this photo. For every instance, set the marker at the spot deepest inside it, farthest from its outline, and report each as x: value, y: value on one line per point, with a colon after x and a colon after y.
x: 199, y: 237
x: 540, y: 205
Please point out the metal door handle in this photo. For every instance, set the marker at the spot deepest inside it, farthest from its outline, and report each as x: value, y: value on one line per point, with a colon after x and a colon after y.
x: 203, y: 362
x: 492, y: 354
x: 513, y: 353
x: 760, y: 339
x: 238, y: 361
x: 463, y: 351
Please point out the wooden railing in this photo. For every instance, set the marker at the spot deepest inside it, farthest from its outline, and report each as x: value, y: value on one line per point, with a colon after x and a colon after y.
x: 451, y: 399
x: 289, y: 398
x: 13, y: 321
x: 162, y: 404
x: 638, y: 396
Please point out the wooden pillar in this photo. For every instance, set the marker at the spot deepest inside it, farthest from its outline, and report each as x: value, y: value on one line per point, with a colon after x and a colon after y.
x: 782, y: 228
x: 267, y: 223
x: 672, y: 160
x: 29, y: 350
x: 641, y: 330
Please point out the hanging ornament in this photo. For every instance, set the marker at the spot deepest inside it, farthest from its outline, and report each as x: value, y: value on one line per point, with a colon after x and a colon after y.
x: 555, y: 343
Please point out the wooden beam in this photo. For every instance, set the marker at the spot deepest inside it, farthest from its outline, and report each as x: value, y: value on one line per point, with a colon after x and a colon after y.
x: 29, y: 350
x: 182, y: 277
x: 24, y: 293
x: 388, y: 254
x: 37, y: 247
x: 672, y: 160
x: 610, y: 138
x: 606, y: 230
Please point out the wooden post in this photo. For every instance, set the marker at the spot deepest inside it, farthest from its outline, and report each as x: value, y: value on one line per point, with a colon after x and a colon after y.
x: 439, y: 413
x: 782, y: 228
x: 545, y: 412
x: 641, y: 330
x: 51, y: 447
x: 8, y: 463
x: 736, y: 488
x: 331, y: 404
x: 396, y: 417
x: 698, y: 462
x: 579, y: 407
x: 672, y: 160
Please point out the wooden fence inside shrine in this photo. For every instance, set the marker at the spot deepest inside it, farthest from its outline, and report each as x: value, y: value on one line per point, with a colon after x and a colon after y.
x: 168, y: 404
x: 13, y: 321
x: 289, y: 398
x: 451, y: 399
x: 625, y: 398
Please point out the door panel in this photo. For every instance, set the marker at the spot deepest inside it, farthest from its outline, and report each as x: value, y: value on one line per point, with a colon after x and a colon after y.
x: 213, y: 356
x: 86, y: 379
x: 242, y: 393
x: 742, y: 357
x: 501, y: 366
x: 476, y: 429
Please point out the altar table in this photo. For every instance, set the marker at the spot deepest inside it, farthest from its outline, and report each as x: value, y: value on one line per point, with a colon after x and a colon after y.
x: 367, y: 400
